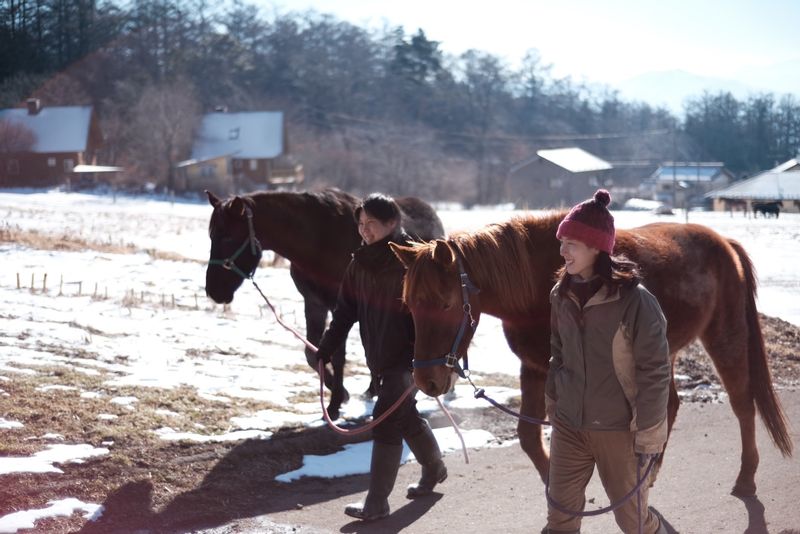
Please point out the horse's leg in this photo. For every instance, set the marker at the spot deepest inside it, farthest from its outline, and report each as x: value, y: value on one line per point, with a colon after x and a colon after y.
x: 316, y: 314
x: 532, y: 382
x: 339, y: 394
x: 725, y: 340
x: 531, y: 342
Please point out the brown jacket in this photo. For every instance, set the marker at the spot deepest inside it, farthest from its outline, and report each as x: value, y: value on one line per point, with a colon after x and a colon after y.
x: 609, y: 365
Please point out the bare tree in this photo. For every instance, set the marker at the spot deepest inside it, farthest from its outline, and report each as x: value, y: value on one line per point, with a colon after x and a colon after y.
x: 15, y: 137
x: 162, y: 127
x: 62, y: 89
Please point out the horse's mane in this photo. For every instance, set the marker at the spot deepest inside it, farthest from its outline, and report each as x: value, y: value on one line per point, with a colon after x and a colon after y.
x: 507, y: 257
x: 329, y: 200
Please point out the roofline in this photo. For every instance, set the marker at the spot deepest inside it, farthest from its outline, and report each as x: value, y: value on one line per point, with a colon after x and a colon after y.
x: 96, y: 168
x: 691, y: 164
x: 525, y: 162
x: 195, y: 161
x: 721, y: 193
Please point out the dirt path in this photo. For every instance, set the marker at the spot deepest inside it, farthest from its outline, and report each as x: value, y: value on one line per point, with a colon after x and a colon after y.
x: 499, y: 490
x: 147, y: 485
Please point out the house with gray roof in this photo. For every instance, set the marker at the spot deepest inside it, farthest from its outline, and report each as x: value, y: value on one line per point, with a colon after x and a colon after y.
x: 780, y: 185
x: 41, y: 146
x: 554, y: 178
x: 680, y: 184
x: 238, y: 152
x: 790, y: 165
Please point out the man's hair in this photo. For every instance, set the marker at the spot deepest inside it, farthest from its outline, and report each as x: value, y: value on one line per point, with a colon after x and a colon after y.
x: 382, y: 207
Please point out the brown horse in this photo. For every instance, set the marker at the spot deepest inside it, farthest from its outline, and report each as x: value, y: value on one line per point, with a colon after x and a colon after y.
x: 705, y: 284
x: 316, y: 232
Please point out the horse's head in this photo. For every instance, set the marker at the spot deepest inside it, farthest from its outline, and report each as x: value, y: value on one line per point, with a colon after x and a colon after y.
x: 445, y: 307
x: 235, y: 251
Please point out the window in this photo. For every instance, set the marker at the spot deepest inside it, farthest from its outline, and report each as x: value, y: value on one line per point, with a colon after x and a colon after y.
x: 253, y: 164
x: 68, y: 165
x: 233, y: 133
x: 593, y: 181
x: 556, y: 183
x: 237, y: 164
x: 12, y: 166
x: 51, y: 162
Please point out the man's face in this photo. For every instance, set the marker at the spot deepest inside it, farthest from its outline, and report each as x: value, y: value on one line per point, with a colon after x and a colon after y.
x: 373, y: 230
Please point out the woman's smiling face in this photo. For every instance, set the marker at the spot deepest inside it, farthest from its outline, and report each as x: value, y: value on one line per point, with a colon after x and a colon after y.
x: 578, y: 257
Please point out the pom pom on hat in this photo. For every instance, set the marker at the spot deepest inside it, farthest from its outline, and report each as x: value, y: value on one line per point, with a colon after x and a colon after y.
x: 602, y: 197
x: 591, y: 223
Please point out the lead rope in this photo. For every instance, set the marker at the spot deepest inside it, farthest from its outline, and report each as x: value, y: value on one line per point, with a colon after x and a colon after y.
x: 639, y: 497
x: 320, y: 371
x: 455, y: 427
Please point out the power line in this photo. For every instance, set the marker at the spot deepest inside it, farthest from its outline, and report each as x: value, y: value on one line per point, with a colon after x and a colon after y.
x: 490, y: 138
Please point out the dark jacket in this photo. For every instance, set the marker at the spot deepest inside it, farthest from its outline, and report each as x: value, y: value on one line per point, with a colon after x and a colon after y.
x: 609, y: 366
x: 371, y: 293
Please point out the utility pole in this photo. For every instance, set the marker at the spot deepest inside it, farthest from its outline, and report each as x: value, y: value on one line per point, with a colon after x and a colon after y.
x: 674, y: 178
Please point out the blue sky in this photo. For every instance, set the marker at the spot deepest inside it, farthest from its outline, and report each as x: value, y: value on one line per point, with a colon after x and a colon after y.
x: 604, y: 41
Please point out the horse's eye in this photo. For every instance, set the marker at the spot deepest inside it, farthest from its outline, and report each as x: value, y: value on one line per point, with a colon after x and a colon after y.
x: 447, y: 306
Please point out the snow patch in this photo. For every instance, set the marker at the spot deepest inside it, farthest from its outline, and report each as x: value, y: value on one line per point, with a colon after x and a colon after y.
x: 26, y: 519
x: 355, y: 458
x: 7, y: 423
x: 42, y: 462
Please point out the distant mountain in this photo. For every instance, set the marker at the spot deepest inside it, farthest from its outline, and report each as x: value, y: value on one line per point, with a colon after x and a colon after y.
x: 672, y: 88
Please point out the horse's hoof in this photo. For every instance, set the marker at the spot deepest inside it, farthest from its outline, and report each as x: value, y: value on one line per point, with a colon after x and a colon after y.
x: 742, y: 489
x: 333, y: 413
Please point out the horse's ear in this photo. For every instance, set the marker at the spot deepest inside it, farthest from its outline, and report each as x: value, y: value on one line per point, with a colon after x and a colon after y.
x: 213, y: 199
x: 406, y: 255
x: 442, y: 253
x: 237, y: 206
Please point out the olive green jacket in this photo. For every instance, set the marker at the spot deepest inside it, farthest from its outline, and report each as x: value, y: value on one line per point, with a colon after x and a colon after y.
x: 609, y: 365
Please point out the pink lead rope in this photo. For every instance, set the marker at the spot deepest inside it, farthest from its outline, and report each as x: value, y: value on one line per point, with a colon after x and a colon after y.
x: 320, y: 372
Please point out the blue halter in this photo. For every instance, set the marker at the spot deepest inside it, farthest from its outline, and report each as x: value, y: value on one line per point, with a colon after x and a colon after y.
x: 451, y: 358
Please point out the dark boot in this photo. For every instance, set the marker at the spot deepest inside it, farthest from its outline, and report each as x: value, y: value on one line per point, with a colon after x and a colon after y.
x: 427, y: 452
x: 382, y: 474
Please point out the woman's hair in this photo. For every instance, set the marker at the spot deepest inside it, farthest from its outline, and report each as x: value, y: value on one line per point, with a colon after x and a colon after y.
x: 615, y: 271
x: 382, y: 207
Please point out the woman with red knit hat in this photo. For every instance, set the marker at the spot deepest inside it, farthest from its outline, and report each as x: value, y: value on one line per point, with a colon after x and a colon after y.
x: 608, y: 383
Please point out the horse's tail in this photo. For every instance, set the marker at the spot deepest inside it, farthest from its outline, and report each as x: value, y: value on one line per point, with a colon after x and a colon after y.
x: 760, y: 379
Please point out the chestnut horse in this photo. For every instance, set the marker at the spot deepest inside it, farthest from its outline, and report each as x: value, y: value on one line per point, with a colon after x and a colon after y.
x: 705, y: 284
x: 316, y: 232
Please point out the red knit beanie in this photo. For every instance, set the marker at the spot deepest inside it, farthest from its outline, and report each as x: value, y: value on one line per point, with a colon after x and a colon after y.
x: 590, y: 222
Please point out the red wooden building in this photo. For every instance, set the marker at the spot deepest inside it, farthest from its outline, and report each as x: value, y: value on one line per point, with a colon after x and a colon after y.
x: 40, y: 146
